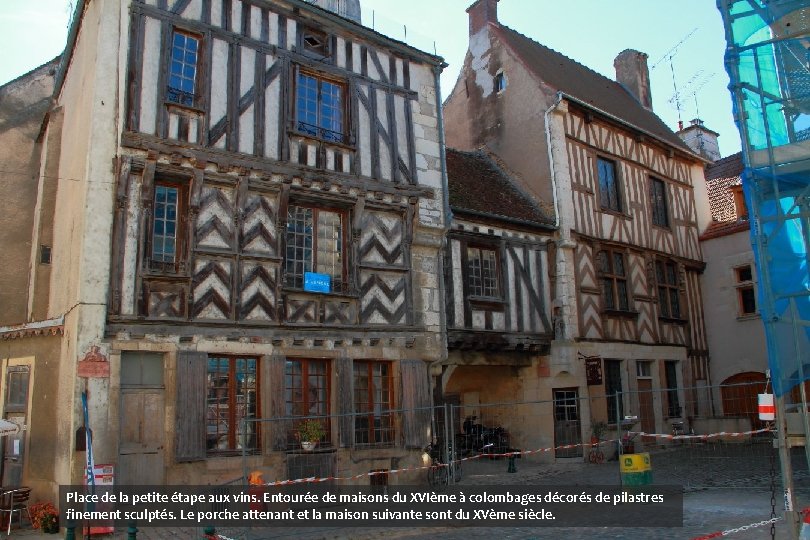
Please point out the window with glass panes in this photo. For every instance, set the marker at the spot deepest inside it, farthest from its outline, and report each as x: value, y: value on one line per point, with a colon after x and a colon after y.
x: 315, y: 243
x: 658, y: 202
x: 482, y: 272
x: 306, y: 390
x: 666, y: 275
x: 609, y: 195
x: 373, y: 421
x: 319, y: 107
x: 746, y: 299
x: 614, y: 280
x: 233, y: 390
x: 165, y: 223
x: 183, y: 68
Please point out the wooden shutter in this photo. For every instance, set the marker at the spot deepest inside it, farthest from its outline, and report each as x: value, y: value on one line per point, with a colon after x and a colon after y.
x: 190, y: 423
x: 415, y: 400
x: 273, y: 406
x: 345, y: 396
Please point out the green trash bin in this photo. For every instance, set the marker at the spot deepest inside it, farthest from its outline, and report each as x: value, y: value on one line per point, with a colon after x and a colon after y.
x: 636, y: 469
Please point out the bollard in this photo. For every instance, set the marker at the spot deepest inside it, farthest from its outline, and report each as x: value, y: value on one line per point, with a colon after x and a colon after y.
x: 70, y: 531
x: 512, y: 468
x: 132, y: 531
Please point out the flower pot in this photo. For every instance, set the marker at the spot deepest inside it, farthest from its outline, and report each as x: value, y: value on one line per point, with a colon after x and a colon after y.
x: 309, y: 446
x: 51, y: 526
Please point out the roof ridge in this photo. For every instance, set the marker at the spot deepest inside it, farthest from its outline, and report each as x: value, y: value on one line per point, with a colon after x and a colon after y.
x: 555, y: 51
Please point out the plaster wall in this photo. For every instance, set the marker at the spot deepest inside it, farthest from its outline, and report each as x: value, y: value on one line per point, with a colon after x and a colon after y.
x: 510, y: 123
x: 90, y: 96
x: 737, y: 343
x: 23, y: 104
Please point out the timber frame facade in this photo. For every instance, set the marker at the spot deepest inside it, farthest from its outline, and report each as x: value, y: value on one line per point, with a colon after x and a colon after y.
x: 625, y: 260
x: 265, y: 247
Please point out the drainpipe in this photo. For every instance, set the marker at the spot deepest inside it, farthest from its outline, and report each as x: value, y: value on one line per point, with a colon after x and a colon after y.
x: 437, y: 70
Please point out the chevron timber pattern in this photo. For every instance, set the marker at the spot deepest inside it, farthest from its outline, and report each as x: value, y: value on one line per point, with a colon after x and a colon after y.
x: 383, y: 298
x: 381, y: 239
x: 257, y: 292
x: 215, y: 222
x: 211, y: 289
x: 259, y: 224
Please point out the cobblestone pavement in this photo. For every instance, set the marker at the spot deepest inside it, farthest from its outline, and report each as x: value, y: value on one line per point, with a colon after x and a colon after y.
x: 725, y: 486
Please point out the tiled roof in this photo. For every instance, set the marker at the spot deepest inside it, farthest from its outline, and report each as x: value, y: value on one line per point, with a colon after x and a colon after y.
x: 478, y: 185
x: 721, y: 176
x: 567, y: 75
x: 727, y: 167
x: 723, y: 228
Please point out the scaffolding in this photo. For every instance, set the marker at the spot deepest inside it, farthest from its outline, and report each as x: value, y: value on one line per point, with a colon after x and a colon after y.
x: 769, y: 65
x: 768, y: 62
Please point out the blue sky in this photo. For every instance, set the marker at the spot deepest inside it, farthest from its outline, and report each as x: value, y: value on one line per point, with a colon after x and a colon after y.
x: 592, y: 32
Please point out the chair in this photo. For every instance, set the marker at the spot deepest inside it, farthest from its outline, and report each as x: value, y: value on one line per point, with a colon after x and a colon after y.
x: 15, y: 500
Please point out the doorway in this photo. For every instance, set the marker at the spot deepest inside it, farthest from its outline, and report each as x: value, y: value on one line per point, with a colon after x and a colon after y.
x: 567, y: 427
x: 141, y: 421
x: 15, y: 405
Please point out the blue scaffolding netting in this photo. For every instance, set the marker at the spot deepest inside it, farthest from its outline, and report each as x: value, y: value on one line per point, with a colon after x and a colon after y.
x: 768, y: 62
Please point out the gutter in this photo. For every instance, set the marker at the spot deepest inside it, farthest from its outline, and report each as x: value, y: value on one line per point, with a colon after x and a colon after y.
x: 511, y: 220
x: 36, y: 328
x: 448, y: 215
x: 551, y: 158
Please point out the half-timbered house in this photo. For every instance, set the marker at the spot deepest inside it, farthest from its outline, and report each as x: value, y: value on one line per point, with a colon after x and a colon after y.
x: 626, y: 298
x: 247, y: 230
x: 497, y: 296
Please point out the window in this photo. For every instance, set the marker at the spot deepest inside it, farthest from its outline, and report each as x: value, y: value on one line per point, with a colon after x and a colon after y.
x: 500, y: 82
x: 166, y: 237
x: 183, y: 69
x: 643, y: 369
x: 608, y: 185
x: 740, y: 207
x: 314, y: 43
x: 306, y: 390
x: 482, y: 272
x: 315, y: 243
x: 613, y: 386
x: 233, y: 389
x: 614, y: 280
x: 746, y: 299
x: 44, y: 254
x: 673, y: 401
x: 373, y: 423
x: 320, y: 107
x: 658, y: 202
x: 666, y: 275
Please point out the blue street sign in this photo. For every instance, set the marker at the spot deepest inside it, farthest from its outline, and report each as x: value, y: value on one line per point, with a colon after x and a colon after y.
x: 317, y: 282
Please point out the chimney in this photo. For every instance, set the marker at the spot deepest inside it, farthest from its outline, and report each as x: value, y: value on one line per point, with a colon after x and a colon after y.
x: 700, y: 139
x: 481, y: 13
x: 632, y: 73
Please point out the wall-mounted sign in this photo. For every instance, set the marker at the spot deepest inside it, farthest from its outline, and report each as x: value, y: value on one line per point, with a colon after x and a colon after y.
x: 593, y: 370
x: 317, y: 282
x: 94, y: 364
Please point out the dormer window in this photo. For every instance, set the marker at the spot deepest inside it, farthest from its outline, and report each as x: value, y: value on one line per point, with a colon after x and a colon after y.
x: 739, y: 203
x: 314, y: 43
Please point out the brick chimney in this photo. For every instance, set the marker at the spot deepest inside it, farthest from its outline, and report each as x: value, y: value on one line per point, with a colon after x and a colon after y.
x: 481, y: 13
x: 632, y: 73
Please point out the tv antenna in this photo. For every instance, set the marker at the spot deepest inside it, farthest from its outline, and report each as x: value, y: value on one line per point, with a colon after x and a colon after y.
x: 670, y: 55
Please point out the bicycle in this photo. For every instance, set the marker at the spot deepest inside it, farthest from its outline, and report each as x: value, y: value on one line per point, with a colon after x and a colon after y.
x: 438, y: 472
x: 596, y: 456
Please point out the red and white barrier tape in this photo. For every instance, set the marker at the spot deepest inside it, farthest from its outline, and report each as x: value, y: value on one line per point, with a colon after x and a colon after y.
x: 728, y: 532
x: 313, y: 479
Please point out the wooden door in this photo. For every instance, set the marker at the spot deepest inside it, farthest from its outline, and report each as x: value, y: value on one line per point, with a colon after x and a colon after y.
x: 739, y: 393
x: 567, y: 428
x: 140, y: 450
x: 645, y: 407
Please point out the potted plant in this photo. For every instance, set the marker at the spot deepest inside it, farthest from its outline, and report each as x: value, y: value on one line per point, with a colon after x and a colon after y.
x: 310, y: 432
x: 44, y: 516
x: 598, y: 430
